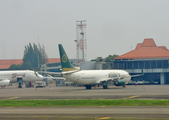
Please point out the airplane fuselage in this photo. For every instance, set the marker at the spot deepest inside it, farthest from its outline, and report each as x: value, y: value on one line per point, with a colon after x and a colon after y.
x: 26, y: 75
x: 95, y: 76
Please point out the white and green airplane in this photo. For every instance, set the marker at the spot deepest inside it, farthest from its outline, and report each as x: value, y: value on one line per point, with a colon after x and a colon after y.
x: 20, y: 76
x: 90, y: 78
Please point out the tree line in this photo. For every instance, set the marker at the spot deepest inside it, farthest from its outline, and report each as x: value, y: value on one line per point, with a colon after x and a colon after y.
x: 108, y: 58
x: 34, y: 55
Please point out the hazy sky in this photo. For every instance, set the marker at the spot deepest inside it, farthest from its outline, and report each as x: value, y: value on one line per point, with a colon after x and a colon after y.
x: 113, y: 26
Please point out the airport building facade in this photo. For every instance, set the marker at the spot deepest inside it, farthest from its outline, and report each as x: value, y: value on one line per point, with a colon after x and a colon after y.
x: 154, y: 60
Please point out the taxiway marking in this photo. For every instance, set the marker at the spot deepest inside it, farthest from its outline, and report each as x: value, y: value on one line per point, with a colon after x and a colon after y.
x: 130, y: 97
x: 10, y: 98
x: 104, y: 118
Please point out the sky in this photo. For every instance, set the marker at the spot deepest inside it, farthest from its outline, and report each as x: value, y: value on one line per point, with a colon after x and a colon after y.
x: 113, y: 26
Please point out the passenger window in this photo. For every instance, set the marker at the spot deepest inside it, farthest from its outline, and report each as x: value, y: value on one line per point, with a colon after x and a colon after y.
x: 113, y: 75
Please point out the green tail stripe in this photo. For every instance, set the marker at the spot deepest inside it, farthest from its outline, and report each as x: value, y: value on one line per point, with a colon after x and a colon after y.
x: 35, y: 73
x: 65, y: 60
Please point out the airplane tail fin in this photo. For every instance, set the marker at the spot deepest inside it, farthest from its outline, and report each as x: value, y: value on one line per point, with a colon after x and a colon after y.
x: 66, y: 65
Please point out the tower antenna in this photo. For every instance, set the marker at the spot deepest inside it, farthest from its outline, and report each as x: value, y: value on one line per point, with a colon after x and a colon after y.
x: 81, y: 42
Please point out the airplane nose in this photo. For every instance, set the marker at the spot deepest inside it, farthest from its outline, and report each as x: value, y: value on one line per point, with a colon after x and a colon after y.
x: 41, y: 77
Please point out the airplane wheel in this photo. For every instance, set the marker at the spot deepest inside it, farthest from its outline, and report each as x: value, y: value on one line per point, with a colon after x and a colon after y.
x: 88, y: 86
x: 20, y: 85
x: 105, y: 86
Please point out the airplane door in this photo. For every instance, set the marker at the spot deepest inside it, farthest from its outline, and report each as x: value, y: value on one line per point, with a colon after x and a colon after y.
x: 19, y: 79
x: 20, y: 82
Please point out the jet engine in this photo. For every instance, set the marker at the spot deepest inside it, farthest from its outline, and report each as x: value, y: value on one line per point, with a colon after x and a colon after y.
x: 4, y: 82
x: 120, y: 82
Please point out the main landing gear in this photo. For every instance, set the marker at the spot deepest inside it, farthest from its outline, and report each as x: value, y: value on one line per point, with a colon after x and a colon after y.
x: 88, y: 86
x: 105, y: 86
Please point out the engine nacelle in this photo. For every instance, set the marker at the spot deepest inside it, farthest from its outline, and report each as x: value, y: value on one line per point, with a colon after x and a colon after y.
x: 120, y: 82
x: 4, y: 82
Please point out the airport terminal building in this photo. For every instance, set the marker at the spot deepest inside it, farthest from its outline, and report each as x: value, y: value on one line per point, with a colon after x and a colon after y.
x: 153, y: 59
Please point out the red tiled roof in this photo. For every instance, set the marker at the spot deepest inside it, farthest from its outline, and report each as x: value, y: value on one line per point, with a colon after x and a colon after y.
x: 5, y: 64
x: 53, y: 60
x: 163, y: 47
x: 138, y: 45
x: 148, y: 43
x: 146, y: 50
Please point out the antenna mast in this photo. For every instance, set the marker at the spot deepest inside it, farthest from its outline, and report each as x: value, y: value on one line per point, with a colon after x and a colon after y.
x: 81, y: 42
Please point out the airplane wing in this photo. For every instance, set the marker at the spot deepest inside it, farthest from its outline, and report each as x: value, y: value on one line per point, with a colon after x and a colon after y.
x: 54, y: 73
x: 137, y: 75
x: 142, y: 73
x: 59, y: 78
x: 70, y: 72
x: 58, y: 73
x: 103, y: 80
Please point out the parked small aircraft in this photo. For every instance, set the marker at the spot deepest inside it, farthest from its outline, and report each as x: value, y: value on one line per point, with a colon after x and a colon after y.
x: 19, y: 76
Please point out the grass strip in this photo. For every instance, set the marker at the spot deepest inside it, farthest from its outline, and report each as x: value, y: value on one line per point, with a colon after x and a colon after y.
x: 18, y: 103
